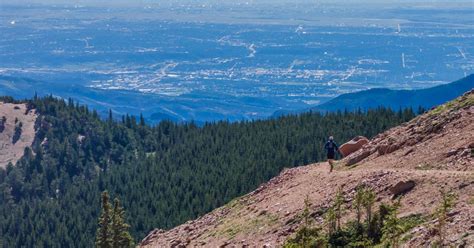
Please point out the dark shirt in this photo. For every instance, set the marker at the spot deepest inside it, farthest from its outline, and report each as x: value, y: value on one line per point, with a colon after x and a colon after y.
x: 331, y: 147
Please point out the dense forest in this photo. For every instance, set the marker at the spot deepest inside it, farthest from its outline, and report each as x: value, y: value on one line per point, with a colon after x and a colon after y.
x: 164, y: 174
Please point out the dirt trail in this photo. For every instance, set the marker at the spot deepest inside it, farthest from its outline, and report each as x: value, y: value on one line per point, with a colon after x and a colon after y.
x: 435, y: 151
x: 10, y: 151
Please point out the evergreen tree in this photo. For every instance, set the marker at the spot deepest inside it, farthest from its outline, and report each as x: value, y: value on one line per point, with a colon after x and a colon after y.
x: 338, y: 207
x: 3, y: 122
x: 104, y: 231
x: 448, y: 201
x: 121, y: 238
x: 368, y: 202
x: 110, y: 119
x: 392, y: 229
x: 357, y: 203
x: 17, y: 133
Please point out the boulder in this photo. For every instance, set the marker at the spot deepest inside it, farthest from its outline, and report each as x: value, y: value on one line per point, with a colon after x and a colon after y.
x: 359, y: 157
x: 402, y: 187
x: 353, y: 145
x: 387, y: 149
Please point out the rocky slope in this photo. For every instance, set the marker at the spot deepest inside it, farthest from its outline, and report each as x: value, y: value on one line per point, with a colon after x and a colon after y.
x: 434, y: 151
x: 12, y: 141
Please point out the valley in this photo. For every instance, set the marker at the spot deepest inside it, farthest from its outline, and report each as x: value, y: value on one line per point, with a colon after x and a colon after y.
x: 170, y: 65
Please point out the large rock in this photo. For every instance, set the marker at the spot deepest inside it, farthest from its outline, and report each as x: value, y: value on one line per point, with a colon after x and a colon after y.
x: 387, y: 149
x: 402, y: 187
x: 359, y: 157
x: 353, y: 145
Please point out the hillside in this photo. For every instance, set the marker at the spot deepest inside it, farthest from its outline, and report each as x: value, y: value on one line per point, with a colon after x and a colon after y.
x: 164, y: 175
x: 17, y: 131
x: 434, y: 150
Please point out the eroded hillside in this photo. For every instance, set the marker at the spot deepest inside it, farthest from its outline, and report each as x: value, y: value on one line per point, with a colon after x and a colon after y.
x: 434, y: 151
x: 17, y: 131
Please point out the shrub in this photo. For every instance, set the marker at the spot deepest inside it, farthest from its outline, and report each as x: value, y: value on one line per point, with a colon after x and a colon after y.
x: 307, y: 236
x: 17, y: 133
x: 3, y: 121
x: 448, y: 200
x: 381, y: 228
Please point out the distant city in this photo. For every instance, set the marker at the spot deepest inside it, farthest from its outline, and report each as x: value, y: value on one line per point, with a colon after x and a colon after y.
x: 212, y: 62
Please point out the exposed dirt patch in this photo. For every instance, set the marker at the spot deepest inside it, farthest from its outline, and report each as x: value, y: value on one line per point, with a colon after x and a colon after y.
x: 12, y: 141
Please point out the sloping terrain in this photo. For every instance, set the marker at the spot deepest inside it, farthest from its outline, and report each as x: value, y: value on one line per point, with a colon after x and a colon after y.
x: 13, y: 141
x: 441, y: 139
x: 435, y: 150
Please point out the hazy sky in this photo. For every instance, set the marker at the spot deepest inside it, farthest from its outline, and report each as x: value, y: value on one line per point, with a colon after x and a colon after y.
x: 140, y: 2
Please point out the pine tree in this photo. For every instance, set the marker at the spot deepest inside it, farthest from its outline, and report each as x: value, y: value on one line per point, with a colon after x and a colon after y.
x: 392, y: 229
x: 104, y: 237
x: 18, y: 131
x: 357, y: 203
x: 338, y: 207
x: 111, y: 118
x: 306, y: 222
x: 448, y: 201
x: 3, y: 122
x: 121, y: 238
x: 368, y: 202
x: 142, y: 120
x: 331, y: 221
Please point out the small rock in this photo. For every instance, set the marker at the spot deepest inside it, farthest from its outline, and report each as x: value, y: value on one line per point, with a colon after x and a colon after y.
x: 463, y: 185
x: 466, y: 153
x: 226, y: 243
x: 409, y: 151
x: 262, y: 212
x: 451, y: 153
x: 175, y: 243
x: 453, y: 213
x: 402, y: 187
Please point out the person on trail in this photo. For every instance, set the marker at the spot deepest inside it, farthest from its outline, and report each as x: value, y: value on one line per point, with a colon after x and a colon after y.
x: 331, y: 148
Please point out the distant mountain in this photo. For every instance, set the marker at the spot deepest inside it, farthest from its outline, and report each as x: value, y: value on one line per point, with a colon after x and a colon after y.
x: 197, y: 106
x: 396, y: 99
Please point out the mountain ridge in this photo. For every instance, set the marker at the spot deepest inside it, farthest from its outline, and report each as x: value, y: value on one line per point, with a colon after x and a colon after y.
x: 395, y: 99
x: 268, y: 216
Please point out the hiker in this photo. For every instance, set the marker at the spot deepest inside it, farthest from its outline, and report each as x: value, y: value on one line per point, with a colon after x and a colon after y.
x: 331, y: 148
